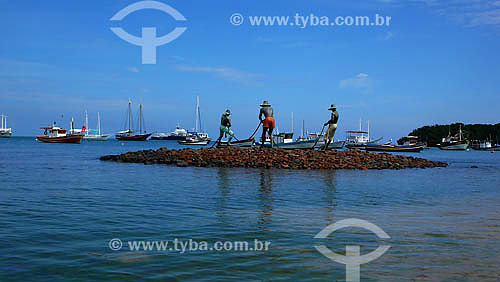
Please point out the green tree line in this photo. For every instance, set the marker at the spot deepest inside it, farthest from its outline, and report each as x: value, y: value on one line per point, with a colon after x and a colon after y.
x: 434, y: 133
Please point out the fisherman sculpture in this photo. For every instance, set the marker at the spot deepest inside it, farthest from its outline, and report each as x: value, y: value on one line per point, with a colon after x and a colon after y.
x: 225, y: 128
x: 332, y: 126
x: 268, y: 123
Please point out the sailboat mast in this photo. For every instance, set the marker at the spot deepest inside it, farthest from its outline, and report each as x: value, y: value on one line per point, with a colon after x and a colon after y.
x: 129, y: 114
x: 2, y: 121
x: 140, y: 118
x: 292, y: 124
x: 196, y: 129
x: 360, y: 127
x: 199, y: 117
x: 368, y: 131
x: 303, y: 135
x: 98, y: 124
x: 86, y: 123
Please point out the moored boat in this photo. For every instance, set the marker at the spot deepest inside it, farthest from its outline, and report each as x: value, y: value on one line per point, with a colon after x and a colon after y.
x: 196, y: 137
x: 55, y: 134
x: 178, y: 134
x: 484, y: 146
x: 195, y: 140
x: 130, y: 135
x: 358, y: 139
x: 4, y: 131
x: 454, y: 143
x: 394, y: 148
x: 94, y: 135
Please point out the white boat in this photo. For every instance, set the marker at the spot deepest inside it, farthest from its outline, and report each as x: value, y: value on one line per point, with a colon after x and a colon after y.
x: 358, y: 139
x: 195, y: 140
x: 454, y: 143
x: 178, y: 134
x: 94, y: 135
x: 4, y: 131
x: 198, y: 126
x: 196, y: 137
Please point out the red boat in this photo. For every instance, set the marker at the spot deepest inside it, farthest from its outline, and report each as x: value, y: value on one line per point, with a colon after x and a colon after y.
x: 136, y: 137
x: 130, y: 135
x: 56, y: 134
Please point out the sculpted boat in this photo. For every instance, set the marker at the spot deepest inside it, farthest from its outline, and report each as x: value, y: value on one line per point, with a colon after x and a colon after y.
x: 285, y: 141
x: 240, y: 143
x: 321, y: 142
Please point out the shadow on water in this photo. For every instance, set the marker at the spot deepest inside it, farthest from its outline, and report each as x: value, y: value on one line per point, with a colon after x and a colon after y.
x: 330, y: 190
x: 224, y: 186
x: 265, y: 198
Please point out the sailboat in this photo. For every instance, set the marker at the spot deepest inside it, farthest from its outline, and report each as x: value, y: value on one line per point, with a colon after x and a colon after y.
x: 129, y: 135
x: 93, y: 135
x: 196, y: 137
x: 4, y: 131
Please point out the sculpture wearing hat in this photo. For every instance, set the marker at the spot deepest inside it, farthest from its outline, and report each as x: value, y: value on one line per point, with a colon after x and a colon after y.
x: 266, y: 117
x: 265, y: 104
x: 225, y: 127
x: 332, y: 126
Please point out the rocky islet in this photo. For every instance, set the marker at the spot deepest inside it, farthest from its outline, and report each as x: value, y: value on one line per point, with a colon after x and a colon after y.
x: 273, y: 158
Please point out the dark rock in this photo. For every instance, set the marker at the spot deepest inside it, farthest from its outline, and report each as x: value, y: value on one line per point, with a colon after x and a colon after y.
x: 273, y: 158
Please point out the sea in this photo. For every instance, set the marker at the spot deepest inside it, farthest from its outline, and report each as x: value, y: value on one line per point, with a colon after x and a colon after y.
x: 67, y: 216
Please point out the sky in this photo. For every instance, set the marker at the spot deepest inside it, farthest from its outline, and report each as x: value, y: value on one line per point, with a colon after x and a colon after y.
x: 436, y: 63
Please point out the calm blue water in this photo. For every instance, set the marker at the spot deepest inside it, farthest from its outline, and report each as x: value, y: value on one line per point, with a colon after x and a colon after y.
x: 61, y: 206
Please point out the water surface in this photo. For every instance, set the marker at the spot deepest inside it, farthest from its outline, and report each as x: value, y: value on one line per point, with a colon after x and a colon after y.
x: 61, y: 206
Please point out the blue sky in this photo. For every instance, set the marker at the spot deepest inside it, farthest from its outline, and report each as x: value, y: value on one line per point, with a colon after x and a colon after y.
x: 436, y: 63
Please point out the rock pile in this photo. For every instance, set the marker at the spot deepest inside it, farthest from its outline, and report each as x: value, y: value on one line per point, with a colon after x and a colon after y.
x: 273, y: 158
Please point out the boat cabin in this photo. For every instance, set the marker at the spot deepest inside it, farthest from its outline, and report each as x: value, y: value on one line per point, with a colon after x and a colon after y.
x: 54, y: 131
x: 357, y: 137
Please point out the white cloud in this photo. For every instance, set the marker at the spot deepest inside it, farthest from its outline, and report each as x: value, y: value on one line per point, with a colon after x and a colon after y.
x: 226, y: 73
x: 389, y: 35
x: 133, y: 69
x: 361, y: 82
